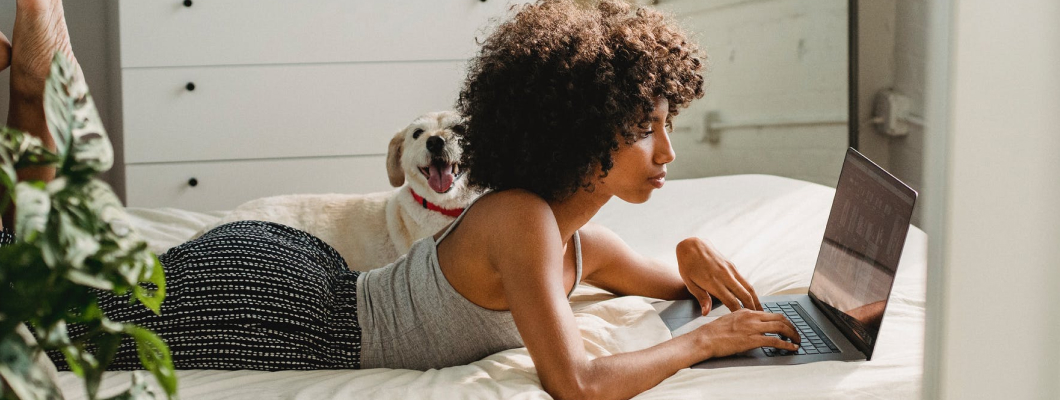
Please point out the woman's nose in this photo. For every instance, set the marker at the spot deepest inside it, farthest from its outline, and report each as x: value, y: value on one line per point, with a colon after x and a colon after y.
x: 664, y: 151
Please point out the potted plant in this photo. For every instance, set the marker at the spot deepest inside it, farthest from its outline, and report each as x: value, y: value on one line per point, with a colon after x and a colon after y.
x: 73, y: 240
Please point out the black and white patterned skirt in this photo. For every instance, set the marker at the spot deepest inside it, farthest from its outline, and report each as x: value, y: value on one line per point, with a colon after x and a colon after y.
x: 247, y: 295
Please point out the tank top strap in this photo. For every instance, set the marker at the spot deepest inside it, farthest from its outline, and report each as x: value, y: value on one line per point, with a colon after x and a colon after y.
x: 577, y: 263
x: 577, y: 246
x: 457, y: 220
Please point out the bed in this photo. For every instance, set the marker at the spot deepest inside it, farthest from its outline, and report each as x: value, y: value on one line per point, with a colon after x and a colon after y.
x: 770, y: 227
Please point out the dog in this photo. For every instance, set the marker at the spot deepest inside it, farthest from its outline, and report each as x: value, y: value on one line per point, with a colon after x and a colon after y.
x: 373, y: 230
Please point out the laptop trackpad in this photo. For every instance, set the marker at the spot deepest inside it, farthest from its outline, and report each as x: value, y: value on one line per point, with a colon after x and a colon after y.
x: 682, y: 316
x: 700, y: 321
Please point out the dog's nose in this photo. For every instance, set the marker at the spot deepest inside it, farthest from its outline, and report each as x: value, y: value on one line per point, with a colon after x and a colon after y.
x: 435, y: 144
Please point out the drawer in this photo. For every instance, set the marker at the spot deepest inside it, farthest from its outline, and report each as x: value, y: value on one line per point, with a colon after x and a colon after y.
x: 278, y: 111
x: 225, y: 185
x: 232, y: 32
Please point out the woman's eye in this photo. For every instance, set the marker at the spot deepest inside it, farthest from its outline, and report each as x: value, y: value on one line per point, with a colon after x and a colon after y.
x: 417, y: 133
x: 646, y: 134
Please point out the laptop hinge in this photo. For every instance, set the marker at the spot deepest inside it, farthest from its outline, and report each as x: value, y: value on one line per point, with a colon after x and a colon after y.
x: 842, y: 326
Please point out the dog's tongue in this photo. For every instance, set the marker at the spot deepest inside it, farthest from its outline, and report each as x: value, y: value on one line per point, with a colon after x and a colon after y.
x: 441, y: 178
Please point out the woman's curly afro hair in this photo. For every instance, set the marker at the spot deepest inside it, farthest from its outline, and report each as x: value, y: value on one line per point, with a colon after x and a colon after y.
x: 555, y: 88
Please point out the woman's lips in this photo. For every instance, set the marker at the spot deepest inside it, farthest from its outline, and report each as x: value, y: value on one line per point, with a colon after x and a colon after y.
x: 658, y: 180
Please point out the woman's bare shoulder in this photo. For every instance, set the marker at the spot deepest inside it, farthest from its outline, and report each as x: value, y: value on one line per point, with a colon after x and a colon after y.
x: 513, y: 206
x: 520, y: 196
x: 515, y: 219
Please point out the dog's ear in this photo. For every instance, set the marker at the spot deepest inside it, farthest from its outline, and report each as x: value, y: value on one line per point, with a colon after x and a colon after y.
x: 393, y: 160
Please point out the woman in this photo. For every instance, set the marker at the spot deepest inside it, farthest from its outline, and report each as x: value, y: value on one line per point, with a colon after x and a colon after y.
x: 566, y: 108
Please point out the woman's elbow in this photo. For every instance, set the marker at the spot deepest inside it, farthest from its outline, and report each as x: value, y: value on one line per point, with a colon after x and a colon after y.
x: 572, y: 388
x: 571, y: 393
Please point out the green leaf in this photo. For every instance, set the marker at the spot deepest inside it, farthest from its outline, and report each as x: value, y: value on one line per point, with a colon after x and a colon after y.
x: 110, y: 326
x: 34, y: 205
x: 25, y: 284
x: 77, y: 242
x: 73, y: 238
x: 54, y: 336
x: 74, y: 122
x: 154, y: 355
x: 152, y: 299
x: 99, y: 197
x: 138, y: 391
x: 19, y: 150
x: 87, y: 279
x: 9, y: 155
x: 73, y: 359
x: 106, y: 348
x: 23, y: 377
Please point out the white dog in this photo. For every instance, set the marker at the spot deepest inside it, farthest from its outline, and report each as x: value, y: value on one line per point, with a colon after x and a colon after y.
x: 373, y: 230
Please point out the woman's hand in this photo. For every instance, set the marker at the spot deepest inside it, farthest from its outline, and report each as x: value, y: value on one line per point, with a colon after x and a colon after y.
x: 706, y: 272
x: 744, y: 330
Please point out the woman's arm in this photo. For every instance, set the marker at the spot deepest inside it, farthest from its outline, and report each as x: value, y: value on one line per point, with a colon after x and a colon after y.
x: 528, y: 254
x: 702, y: 271
x: 610, y: 264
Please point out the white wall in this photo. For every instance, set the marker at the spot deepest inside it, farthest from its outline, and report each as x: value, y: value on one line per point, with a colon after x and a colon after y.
x: 993, y: 174
x: 771, y: 60
x: 910, y: 47
x: 876, y: 26
x: 892, y: 48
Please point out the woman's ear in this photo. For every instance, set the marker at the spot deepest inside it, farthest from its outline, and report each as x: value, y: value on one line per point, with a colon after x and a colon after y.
x: 393, y: 160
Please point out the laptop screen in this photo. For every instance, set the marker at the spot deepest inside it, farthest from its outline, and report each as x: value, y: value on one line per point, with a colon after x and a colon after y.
x: 862, y: 244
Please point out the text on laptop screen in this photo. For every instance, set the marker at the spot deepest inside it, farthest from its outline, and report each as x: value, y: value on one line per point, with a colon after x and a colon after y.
x: 862, y: 244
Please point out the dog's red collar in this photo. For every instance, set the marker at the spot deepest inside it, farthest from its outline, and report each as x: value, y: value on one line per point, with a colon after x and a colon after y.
x: 452, y: 212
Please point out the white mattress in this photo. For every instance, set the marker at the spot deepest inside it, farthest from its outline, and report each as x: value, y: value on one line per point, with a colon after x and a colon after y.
x: 769, y: 227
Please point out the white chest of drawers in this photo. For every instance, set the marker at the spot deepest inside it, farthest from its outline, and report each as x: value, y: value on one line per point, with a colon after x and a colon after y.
x: 224, y: 101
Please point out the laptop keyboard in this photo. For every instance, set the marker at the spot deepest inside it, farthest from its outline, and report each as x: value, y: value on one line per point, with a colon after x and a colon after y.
x: 814, y: 340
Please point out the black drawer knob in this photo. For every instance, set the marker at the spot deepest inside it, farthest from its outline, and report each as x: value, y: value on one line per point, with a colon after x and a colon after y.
x: 187, y: 3
x: 190, y: 86
x: 193, y: 182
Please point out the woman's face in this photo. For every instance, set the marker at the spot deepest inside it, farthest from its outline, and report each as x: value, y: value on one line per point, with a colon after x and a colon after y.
x: 640, y: 168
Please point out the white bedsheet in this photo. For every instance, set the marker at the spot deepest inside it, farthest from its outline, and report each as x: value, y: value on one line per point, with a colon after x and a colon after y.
x: 769, y: 227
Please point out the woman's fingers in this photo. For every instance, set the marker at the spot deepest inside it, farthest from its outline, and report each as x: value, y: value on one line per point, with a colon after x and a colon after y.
x: 741, y: 295
x: 739, y: 291
x: 704, y: 266
x: 726, y: 297
x: 779, y: 343
x: 702, y: 296
x: 732, y: 293
x: 749, y: 288
x: 785, y: 329
x: 768, y: 316
x: 5, y: 52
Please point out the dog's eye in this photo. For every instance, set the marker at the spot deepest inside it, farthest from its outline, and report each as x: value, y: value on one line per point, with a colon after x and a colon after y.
x: 417, y: 133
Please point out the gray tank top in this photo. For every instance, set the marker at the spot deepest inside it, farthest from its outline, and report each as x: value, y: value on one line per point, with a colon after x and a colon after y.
x: 412, y: 318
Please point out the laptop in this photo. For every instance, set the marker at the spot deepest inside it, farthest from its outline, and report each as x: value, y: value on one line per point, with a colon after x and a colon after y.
x: 840, y: 317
